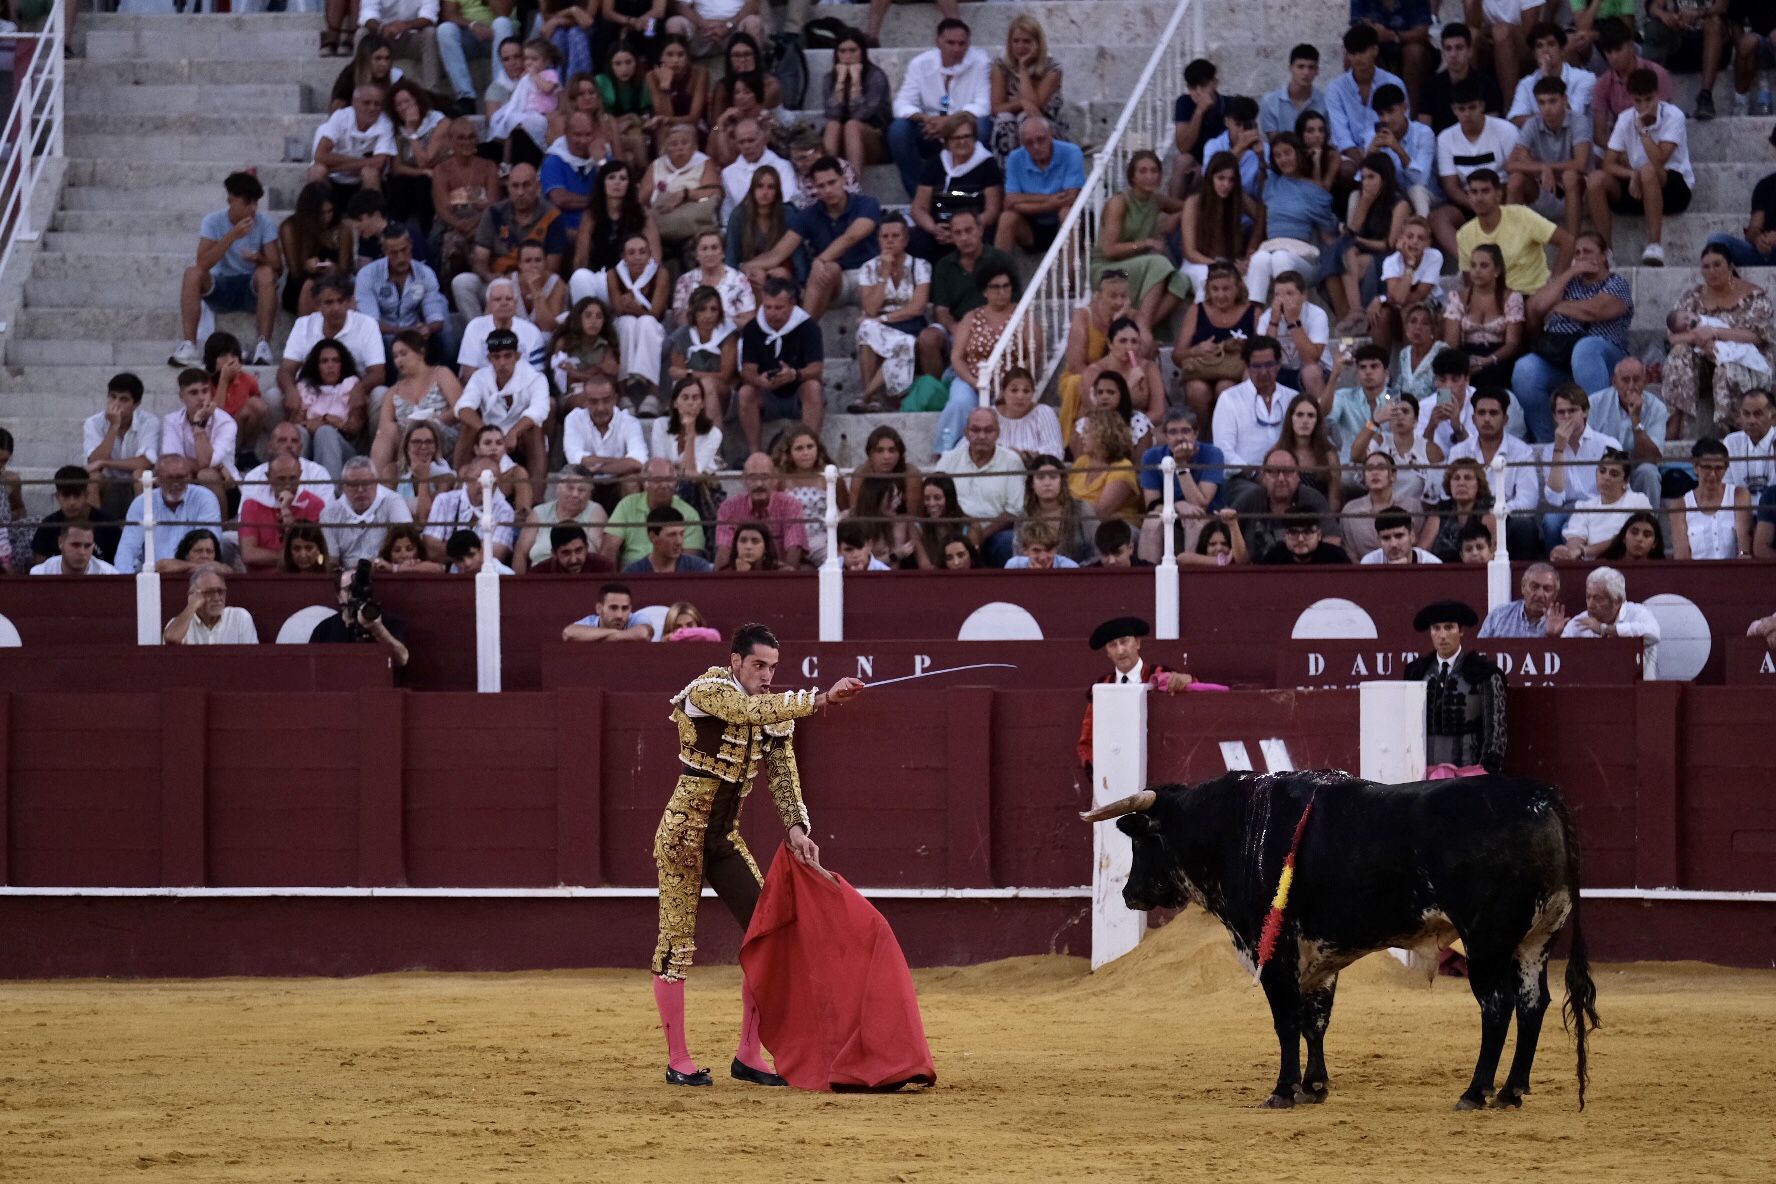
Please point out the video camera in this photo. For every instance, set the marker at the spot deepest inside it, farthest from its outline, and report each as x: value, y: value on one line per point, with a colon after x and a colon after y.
x: 361, y: 609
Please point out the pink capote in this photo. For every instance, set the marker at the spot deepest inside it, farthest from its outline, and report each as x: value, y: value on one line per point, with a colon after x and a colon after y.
x: 835, y: 997
x: 1445, y: 771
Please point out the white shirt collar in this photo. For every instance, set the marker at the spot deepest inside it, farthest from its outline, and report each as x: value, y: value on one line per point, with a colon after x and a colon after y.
x: 1138, y: 673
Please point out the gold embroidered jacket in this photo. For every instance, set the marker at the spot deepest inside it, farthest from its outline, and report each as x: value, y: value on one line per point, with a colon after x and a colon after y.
x: 724, y: 732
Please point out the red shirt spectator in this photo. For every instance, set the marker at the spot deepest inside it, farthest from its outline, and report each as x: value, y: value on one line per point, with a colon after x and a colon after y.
x: 762, y: 502
x: 262, y: 524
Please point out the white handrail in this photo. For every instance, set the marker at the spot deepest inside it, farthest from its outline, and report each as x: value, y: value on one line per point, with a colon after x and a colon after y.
x: 32, y: 133
x: 1062, y: 280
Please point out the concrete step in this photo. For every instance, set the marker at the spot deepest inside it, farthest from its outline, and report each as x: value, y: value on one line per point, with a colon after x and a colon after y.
x: 129, y: 222
x: 255, y: 147
x: 44, y: 443
x: 178, y: 38
x: 150, y: 208
x: 314, y: 74
x: 907, y: 24
x: 209, y: 98
x: 178, y: 176
x: 83, y: 243
x: 144, y: 336
x: 190, y: 123
x: 80, y: 380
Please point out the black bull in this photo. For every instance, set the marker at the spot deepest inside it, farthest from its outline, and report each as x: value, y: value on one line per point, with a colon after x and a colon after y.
x: 1493, y: 860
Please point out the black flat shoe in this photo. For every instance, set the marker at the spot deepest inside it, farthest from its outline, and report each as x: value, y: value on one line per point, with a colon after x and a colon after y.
x: 700, y: 1077
x: 744, y: 1072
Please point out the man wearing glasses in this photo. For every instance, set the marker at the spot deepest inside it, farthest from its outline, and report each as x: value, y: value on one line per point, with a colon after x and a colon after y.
x: 1249, y: 416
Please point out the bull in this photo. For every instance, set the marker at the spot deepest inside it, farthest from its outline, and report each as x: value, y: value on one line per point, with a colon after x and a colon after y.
x: 1493, y: 860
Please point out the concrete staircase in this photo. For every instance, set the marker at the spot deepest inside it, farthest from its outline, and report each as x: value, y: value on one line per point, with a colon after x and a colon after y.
x: 162, y: 108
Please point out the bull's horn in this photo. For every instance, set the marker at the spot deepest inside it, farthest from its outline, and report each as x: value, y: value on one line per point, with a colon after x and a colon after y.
x: 1135, y: 803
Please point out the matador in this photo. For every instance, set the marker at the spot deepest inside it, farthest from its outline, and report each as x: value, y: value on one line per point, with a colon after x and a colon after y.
x: 728, y: 722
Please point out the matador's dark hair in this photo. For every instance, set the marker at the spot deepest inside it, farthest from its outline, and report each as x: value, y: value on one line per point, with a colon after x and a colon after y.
x: 748, y: 636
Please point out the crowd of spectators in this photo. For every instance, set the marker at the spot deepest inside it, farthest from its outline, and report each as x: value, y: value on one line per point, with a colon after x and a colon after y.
x: 602, y: 281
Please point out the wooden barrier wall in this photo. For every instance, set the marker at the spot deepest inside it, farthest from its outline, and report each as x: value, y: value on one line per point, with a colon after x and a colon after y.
x: 1239, y: 613
x: 963, y: 788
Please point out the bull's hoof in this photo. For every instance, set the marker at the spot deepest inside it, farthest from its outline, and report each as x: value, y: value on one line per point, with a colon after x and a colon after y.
x: 1508, y: 1099
x: 1467, y: 1103
x: 1312, y: 1092
x: 1279, y: 1102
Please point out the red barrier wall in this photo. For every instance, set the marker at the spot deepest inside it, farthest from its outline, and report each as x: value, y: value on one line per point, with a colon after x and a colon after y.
x: 966, y: 787
x: 1238, y: 614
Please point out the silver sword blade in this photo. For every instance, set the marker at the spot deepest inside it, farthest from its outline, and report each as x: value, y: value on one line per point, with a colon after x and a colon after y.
x: 946, y: 670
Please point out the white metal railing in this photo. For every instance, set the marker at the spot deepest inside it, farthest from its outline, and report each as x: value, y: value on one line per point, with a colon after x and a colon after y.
x: 1036, y: 336
x: 32, y: 134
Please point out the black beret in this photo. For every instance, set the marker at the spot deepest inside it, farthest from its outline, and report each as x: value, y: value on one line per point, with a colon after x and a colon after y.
x: 1117, y: 627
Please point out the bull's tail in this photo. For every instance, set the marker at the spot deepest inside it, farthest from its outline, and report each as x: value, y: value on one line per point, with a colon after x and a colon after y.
x: 1580, y: 1010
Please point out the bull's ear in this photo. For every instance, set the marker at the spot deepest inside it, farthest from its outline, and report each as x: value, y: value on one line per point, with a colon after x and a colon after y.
x: 1136, y: 826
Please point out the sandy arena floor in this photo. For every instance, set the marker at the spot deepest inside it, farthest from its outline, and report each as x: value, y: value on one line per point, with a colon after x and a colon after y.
x: 1150, y: 1070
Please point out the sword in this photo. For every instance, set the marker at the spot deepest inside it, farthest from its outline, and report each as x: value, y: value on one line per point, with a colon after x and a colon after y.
x: 946, y: 670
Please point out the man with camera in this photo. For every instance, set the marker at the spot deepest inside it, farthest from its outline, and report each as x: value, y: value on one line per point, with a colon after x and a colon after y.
x: 360, y: 618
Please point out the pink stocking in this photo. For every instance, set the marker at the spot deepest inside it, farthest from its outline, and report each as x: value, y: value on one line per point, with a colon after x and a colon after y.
x: 750, y: 1053
x: 669, y: 997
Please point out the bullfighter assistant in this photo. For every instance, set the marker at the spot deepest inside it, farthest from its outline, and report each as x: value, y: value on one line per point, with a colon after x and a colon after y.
x: 728, y: 721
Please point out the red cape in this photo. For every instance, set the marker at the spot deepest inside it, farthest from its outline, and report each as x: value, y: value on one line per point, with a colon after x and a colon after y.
x: 835, y: 998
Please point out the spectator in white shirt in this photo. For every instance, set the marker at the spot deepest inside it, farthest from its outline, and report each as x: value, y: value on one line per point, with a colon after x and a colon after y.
x: 1394, y: 529
x: 991, y: 486
x: 1302, y: 329
x: 285, y: 440
x: 1609, y: 613
x: 361, y: 336
x: 855, y: 553
x: 358, y: 519
x: 1646, y: 169
x: 1408, y: 277
x: 460, y: 509
x: 736, y: 179
x: 74, y: 554
x: 1753, y: 447
x: 207, y: 618
x: 511, y: 396
x: 202, y: 433
x: 1570, y: 461
x: 502, y: 313
x: 607, y: 439
x: 354, y: 146
x: 684, y: 435
x: 1597, y: 519
x: 1520, y: 490
x: 1249, y: 416
x: 122, y: 442
x: 939, y: 83
x: 1548, y: 40
x: 1475, y: 141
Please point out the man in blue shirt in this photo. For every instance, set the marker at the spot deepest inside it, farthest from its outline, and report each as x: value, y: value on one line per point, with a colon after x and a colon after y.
x: 1404, y: 29
x: 236, y: 268
x: 178, y: 507
x: 1412, y: 145
x: 1279, y: 110
x: 666, y: 534
x: 569, y: 171
x: 1349, y: 98
x: 1242, y: 139
x: 1196, y: 489
x: 838, y: 232
x: 401, y: 294
x: 1042, y: 181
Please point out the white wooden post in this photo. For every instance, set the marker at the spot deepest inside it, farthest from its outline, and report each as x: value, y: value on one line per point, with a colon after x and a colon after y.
x: 1498, y: 572
x: 1165, y: 575
x: 832, y: 571
x: 148, y: 623
x: 1119, y: 768
x: 487, y: 599
x: 1392, y: 745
